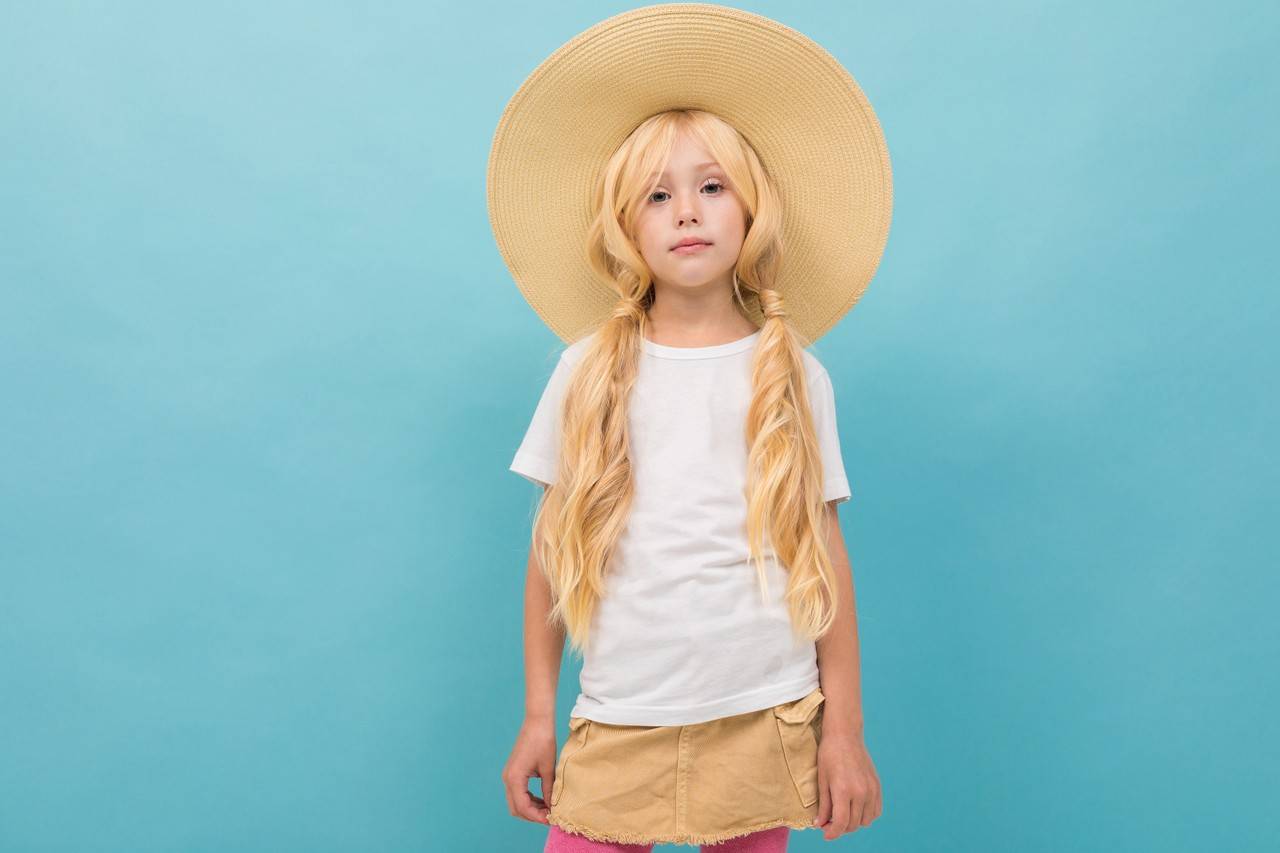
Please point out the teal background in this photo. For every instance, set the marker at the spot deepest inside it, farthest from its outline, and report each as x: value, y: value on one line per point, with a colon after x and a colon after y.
x: 261, y: 560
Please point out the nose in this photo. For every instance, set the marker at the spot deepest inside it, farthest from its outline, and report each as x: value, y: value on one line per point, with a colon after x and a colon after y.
x: 687, y: 210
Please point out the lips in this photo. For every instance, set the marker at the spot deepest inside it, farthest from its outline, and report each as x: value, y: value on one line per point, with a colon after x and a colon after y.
x: 690, y: 242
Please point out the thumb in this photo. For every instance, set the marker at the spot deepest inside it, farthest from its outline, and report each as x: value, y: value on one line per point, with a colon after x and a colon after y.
x: 548, y: 785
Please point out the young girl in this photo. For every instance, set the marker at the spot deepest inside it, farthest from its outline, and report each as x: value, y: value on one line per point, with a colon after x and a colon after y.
x: 686, y: 541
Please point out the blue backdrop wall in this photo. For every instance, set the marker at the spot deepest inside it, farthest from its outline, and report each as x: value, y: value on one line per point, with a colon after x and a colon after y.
x: 261, y: 559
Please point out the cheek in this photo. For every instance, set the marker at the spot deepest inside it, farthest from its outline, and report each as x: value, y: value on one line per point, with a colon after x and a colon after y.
x: 733, y: 222
x: 648, y: 240
x: 734, y: 230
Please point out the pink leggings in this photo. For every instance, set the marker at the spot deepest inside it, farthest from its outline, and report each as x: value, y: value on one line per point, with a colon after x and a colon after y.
x: 765, y: 841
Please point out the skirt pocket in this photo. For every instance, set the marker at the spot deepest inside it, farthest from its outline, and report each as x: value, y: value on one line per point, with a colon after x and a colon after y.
x: 578, y: 727
x: 799, y: 726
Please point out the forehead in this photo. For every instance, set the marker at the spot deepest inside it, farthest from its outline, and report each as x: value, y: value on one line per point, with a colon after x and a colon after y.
x: 687, y: 155
x: 677, y: 167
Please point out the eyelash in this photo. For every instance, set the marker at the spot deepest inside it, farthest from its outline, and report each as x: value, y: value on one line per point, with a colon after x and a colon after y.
x: 712, y: 182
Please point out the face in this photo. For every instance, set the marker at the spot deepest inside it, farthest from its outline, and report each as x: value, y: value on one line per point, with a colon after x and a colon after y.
x: 692, y: 200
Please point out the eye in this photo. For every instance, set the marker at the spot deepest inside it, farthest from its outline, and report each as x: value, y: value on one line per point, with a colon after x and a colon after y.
x: 711, y: 184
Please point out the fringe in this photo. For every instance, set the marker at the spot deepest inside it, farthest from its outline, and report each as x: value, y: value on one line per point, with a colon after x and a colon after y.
x: 676, y: 838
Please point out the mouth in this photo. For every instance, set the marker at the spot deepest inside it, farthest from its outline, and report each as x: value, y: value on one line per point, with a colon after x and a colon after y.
x: 689, y: 248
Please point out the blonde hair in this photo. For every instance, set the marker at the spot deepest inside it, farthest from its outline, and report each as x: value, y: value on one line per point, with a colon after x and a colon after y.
x: 581, y: 515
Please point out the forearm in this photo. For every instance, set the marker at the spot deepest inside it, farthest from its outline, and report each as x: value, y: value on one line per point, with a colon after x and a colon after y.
x: 838, y: 668
x: 543, y: 646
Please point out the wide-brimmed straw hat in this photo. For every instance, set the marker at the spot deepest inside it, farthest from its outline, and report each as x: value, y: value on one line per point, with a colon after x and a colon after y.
x: 796, y: 105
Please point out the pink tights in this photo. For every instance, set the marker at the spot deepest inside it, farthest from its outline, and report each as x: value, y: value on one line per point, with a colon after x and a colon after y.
x: 765, y: 841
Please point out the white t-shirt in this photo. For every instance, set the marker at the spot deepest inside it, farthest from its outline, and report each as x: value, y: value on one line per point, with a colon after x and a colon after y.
x: 681, y: 635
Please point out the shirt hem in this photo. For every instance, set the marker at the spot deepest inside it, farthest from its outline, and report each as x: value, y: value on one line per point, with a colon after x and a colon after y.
x: 683, y: 715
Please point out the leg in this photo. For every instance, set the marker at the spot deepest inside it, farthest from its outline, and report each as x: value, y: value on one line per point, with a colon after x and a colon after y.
x: 559, y: 841
x: 765, y: 841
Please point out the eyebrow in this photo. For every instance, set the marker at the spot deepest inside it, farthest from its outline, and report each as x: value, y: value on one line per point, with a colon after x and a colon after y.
x: 696, y: 168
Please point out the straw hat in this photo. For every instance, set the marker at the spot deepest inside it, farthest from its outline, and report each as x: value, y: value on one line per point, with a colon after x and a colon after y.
x: 800, y: 110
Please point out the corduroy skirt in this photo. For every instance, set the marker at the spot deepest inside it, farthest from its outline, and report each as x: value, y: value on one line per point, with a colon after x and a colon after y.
x: 691, y: 784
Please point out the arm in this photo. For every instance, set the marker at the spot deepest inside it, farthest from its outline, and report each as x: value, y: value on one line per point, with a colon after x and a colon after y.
x: 838, y: 648
x: 534, y: 753
x: 849, y: 793
x: 543, y: 648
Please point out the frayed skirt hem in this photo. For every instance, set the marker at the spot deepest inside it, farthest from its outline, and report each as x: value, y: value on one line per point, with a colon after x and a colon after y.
x: 679, y: 837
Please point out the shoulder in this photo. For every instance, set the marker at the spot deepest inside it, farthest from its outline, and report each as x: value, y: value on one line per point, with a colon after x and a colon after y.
x: 574, y: 352
x: 813, y: 368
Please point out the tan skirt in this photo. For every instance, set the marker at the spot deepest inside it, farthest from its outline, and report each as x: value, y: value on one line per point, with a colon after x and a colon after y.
x: 692, y: 784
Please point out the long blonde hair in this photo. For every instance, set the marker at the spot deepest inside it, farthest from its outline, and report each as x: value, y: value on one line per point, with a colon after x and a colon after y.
x: 581, y: 515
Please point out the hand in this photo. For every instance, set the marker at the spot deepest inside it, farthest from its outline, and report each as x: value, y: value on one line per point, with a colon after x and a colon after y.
x: 534, y: 754
x: 849, y: 795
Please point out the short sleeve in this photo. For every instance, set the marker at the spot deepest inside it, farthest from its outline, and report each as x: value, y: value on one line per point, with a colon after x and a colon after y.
x: 823, y: 403
x: 537, y: 457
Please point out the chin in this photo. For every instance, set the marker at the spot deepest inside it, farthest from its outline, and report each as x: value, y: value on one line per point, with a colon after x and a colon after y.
x: 694, y: 284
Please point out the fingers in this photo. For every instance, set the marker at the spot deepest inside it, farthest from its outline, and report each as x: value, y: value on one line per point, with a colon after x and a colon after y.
x: 521, y: 802
x: 544, y: 807
x: 839, y: 818
x: 849, y: 812
x: 859, y: 813
x: 540, y: 809
x: 824, y: 800
x: 875, y: 804
x: 506, y: 790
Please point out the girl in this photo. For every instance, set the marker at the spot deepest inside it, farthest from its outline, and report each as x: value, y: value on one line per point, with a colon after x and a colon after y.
x: 686, y: 541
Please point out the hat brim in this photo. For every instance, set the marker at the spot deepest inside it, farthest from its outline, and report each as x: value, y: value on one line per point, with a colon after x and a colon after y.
x: 797, y: 106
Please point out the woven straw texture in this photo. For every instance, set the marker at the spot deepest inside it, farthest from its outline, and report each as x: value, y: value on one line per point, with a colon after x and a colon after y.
x: 804, y: 114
